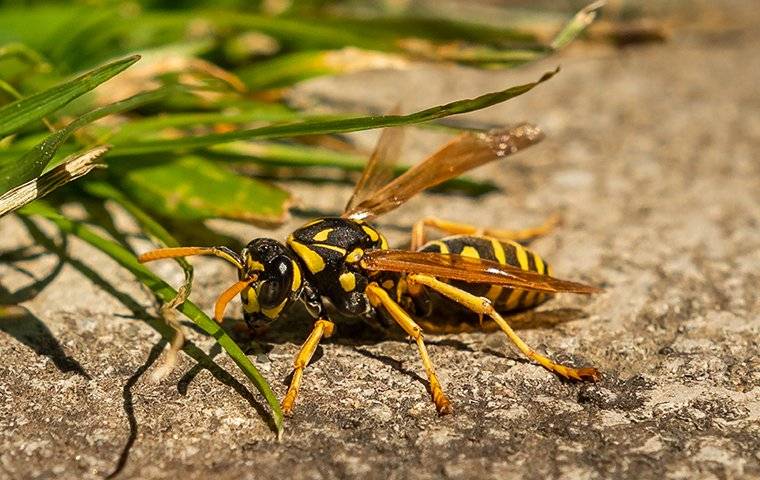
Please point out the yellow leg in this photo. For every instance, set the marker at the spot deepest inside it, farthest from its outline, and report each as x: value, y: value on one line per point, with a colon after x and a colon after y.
x: 379, y: 297
x: 483, y: 306
x: 322, y: 328
x: 455, y: 228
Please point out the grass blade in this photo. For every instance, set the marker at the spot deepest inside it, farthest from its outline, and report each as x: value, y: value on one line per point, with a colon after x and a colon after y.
x: 26, y: 54
x: 163, y: 238
x: 195, y: 188
x: 33, y: 163
x: 166, y: 293
x: 62, y: 174
x: 287, y: 69
x: 27, y: 110
x: 318, y: 127
x: 574, y: 27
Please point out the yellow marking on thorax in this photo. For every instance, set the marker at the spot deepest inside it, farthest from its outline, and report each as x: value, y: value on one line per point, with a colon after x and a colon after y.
x: 314, y: 262
x: 330, y: 247
x: 296, y: 276
x: 355, y: 255
x: 522, y: 255
x: 383, y: 242
x: 373, y: 235
x: 314, y: 222
x: 275, y: 311
x: 470, y: 251
x: 442, y: 246
x: 347, y: 281
x: 322, y: 235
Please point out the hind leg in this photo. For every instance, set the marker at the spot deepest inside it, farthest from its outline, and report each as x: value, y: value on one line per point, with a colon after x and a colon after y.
x: 483, y: 306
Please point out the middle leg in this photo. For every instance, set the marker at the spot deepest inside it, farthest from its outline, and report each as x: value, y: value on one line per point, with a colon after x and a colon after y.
x: 379, y: 297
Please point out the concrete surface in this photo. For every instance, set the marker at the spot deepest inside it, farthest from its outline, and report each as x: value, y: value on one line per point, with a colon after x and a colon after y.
x: 651, y: 153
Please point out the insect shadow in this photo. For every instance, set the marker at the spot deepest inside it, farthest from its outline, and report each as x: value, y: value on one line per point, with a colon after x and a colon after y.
x: 138, y: 312
x: 296, y: 325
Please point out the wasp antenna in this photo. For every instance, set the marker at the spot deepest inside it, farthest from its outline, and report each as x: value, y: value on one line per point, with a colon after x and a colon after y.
x: 228, y: 295
x: 221, y: 252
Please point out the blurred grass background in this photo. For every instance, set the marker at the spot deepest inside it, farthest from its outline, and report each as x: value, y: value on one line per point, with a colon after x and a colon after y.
x: 177, y: 99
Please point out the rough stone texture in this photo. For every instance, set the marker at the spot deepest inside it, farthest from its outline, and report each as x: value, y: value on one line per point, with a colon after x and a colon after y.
x: 650, y: 155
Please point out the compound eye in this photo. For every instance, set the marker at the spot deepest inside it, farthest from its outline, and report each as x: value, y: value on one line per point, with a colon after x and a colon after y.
x: 272, y: 293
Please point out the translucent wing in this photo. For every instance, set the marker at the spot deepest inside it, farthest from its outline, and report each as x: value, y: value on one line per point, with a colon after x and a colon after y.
x: 468, y: 269
x: 379, y: 169
x: 464, y: 153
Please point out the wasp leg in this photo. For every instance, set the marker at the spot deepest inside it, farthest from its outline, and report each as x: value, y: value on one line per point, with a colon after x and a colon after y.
x: 483, y: 306
x: 455, y: 228
x: 377, y: 297
x: 322, y: 328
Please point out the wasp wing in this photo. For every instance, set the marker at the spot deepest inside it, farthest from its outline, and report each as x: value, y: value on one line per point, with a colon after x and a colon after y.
x: 468, y: 269
x: 464, y: 153
x: 379, y: 169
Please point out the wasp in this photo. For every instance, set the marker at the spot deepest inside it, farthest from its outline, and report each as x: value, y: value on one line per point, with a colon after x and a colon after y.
x: 346, y: 262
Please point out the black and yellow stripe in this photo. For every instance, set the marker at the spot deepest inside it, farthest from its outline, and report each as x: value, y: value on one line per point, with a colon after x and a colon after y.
x: 506, y: 253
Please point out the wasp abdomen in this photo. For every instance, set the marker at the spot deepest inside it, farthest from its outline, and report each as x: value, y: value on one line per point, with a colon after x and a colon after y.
x: 505, y: 299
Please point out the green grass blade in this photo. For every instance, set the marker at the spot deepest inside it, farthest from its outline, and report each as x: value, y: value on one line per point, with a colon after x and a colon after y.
x: 163, y: 238
x: 23, y: 52
x: 248, y: 113
x: 27, y: 110
x: 155, y: 230
x: 195, y: 188
x: 574, y: 27
x: 166, y: 293
x: 106, y: 191
x: 319, y: 127
x: 33, y: 163
x: 287, y: 69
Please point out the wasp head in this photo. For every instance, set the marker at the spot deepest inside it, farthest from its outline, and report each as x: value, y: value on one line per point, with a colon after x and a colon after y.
x: 276, y: 280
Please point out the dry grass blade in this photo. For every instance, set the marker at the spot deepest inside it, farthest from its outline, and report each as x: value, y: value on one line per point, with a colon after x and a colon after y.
x: 69, y: 170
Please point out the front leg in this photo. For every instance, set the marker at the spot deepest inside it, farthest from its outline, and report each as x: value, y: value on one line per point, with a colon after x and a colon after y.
x: 322, y: 328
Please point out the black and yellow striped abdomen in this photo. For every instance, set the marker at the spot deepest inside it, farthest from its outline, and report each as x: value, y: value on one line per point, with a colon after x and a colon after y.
x: 506, y: 253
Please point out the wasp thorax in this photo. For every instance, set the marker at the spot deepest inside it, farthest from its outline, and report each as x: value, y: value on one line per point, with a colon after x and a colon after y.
x: 278, y: 279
